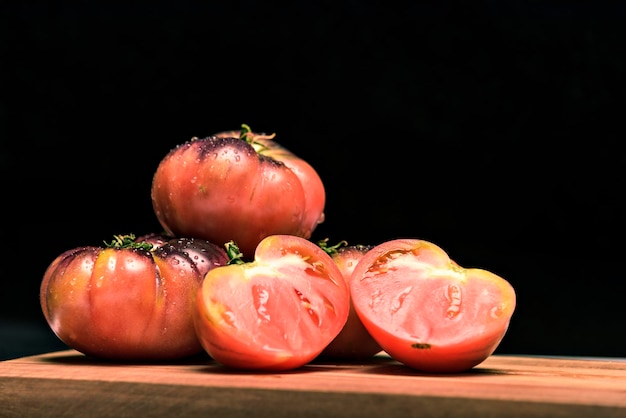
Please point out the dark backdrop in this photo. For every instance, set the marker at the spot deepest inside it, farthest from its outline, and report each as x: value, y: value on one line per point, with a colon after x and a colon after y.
x: 494, y: 130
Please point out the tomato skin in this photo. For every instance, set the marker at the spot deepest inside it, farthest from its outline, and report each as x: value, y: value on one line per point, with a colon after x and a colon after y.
x: 314, y: 191
x: 223, y: 188
x: 128, y: 303
x: 428, y: 312
x: 277, y: 312
x: 354, y: 342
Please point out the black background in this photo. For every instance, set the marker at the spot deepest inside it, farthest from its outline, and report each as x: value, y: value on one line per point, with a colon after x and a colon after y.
x: 494, y: 130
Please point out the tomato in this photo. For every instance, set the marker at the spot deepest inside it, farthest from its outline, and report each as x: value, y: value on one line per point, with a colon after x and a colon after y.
x: 428, y: 312
x: 277, y: 312
x: 131, y: 299
x: 236, y: 185
x: 354, y: 342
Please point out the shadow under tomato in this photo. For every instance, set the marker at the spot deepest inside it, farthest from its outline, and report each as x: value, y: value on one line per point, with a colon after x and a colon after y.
x: 218, y: 368
x: 80, y: 359
x: 399, y: 369
x: 315, y: 366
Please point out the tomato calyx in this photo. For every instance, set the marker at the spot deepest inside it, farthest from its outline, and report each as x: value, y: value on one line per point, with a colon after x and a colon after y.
x: 330, y: 250
x: 334, y: 249
x: 250, y: 137
x: 235, y: 256
x: 128, y: 242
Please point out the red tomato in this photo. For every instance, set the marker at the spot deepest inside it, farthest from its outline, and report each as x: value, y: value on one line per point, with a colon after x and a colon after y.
x: 277, y: 312
x: 236, y: 185
x: 354, y: 342
x: 428, y: 312
x: 130, y: 300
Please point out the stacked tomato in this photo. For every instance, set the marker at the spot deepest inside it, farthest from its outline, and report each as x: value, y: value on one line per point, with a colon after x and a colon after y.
x: 234, y: 273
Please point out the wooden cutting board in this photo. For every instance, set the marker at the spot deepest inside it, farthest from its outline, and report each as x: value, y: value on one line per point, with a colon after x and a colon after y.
x: 66, y: 383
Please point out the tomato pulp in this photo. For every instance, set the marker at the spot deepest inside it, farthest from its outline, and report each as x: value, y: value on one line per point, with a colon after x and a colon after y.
x: 428, y: 312
x: 277, y: 312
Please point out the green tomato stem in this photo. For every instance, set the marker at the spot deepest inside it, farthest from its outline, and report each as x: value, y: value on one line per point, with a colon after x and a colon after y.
x: 234, y: 254
x: 250, y: 137
x: 127, y: 242
x: 323, y: 244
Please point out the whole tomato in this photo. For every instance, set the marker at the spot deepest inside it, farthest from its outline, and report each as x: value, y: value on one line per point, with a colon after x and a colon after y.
x: 131, y: 299
x: 428, y: 312
x: 354, y: 342
x: 277, y: 312
x: 236, y: 185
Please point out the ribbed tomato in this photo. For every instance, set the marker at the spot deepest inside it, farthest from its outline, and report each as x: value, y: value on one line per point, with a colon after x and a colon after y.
x: 277, y: 312
x: 129, y: 300
x: 236, y: 185
x: 428, y: 312
x: 354, y: 342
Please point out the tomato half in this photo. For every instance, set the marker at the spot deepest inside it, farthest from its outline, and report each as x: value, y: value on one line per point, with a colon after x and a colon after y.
x: 130, y: 300
x: 236, y: 185
x: 277, y: 312
x: 428, y: 312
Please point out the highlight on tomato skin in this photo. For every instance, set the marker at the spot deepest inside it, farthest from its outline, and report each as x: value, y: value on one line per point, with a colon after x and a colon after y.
x: 428, y: 312
x: 276, y: 312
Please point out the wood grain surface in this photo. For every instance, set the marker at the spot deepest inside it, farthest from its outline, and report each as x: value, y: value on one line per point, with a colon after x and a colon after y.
x: 67, y: 383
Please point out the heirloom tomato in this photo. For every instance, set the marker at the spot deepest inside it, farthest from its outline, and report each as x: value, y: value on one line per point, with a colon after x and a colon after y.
x: 428, y: 312
x: 132, y: 299
x: 354, y: 342
x: 236, y: 185
x: 277, y: 312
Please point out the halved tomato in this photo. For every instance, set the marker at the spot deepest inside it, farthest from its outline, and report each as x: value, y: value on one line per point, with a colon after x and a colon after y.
x: 277, y: 312
x: 428, y: 312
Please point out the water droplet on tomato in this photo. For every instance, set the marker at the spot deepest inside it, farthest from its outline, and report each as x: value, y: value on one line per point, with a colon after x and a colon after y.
x: 99, y: 281
x: 194, y: 179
